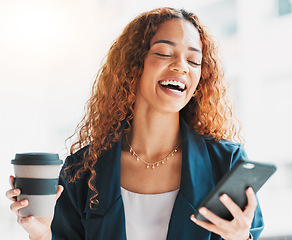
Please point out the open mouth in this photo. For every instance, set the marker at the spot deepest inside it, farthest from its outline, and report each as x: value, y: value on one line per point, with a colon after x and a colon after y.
x: 173, y: 85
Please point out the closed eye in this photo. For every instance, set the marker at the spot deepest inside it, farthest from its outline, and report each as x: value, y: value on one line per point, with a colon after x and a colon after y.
x: 194, y: 63
x: 162, y: 55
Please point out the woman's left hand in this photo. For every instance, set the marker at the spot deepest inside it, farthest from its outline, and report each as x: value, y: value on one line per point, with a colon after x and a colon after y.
x: 239, y: 226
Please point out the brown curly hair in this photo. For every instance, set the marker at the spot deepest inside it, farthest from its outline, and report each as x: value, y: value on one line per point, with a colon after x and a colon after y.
x: 112, y: 101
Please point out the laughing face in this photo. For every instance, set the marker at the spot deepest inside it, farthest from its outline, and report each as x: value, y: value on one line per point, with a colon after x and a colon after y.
x: 172, y: 67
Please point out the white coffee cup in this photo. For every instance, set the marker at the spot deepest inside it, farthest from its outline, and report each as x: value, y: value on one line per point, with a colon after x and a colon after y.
x: 37, y: 176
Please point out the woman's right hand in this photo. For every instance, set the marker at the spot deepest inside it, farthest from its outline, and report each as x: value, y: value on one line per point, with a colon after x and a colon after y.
x: 37, y: 227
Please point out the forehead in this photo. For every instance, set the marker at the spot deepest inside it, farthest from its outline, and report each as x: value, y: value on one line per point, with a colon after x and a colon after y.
x: 178, y: 31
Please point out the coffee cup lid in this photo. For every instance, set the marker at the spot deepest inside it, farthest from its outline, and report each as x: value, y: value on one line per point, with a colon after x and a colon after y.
x: 36, y: 159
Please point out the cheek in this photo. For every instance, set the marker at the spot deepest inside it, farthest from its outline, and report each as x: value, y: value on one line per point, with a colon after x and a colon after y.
x: 151, y: 71
x: 151, y: 65
x: 196, y: 75
x: 148, y: 74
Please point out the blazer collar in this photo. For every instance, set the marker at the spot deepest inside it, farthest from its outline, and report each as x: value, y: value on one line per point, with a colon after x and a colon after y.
x: 197, y: 172
x: 196, y: 182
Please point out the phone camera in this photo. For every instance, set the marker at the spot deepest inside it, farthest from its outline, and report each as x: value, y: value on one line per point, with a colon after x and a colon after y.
x: 249, y: 166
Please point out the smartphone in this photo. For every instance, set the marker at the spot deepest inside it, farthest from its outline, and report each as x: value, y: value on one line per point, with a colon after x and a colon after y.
x: 242, y: 175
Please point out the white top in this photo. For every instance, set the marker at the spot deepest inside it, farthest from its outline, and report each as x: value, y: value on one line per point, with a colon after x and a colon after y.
x: 147, y: 215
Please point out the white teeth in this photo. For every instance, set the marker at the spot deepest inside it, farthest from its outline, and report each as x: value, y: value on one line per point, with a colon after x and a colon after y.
x: 174, y: 83
x: 174, y: 90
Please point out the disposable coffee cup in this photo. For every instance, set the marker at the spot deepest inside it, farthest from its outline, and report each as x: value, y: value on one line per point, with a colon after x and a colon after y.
x: 37, y: 176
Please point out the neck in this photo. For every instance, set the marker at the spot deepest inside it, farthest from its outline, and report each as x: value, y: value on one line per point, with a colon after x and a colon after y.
x: 154, y: 135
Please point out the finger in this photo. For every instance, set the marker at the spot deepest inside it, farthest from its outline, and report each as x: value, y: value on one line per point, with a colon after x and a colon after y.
x: 24, y: 220
x: 251, y: 203
x: 209, y: 226
x: 11, y: 181
x: 12, y: 194
x: 233, y: 208
x: 213, y: 218
x: 59, y: 191
x: 18, y: 205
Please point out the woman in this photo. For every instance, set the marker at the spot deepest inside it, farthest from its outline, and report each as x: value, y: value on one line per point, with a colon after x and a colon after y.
x: 154, y: 142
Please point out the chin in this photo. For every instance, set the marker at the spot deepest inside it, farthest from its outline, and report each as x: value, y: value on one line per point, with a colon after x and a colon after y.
x: 171, y: 109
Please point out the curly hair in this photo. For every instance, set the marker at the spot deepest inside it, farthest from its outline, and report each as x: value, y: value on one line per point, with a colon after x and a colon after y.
x: 112, y: 100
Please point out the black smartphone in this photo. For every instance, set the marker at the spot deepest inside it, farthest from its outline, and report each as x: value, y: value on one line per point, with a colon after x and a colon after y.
x: 242, y: 175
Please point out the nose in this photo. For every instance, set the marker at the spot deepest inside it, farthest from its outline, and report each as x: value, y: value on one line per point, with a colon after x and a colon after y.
x: 179, y: 66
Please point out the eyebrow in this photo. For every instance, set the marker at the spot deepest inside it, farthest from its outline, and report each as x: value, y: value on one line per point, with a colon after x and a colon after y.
x: 174, y: 44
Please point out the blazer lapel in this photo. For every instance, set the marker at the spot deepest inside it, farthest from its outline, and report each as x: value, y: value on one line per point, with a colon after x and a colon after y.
x: 196, y: 182
x: 107, y: 180
x: 107, y: 219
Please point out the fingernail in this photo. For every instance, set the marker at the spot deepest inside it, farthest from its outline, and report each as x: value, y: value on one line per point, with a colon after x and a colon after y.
x: 224, y: 197
x: 193, y: 218
x: 24, y: 202
x: 203, y: 211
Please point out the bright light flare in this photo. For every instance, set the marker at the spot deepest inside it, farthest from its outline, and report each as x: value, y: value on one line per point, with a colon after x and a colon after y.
x: 32, y: 23
x: 33, y: 33
x: 35, y: 25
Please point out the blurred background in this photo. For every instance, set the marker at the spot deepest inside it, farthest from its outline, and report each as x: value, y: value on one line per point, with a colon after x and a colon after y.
x: 50, y: 52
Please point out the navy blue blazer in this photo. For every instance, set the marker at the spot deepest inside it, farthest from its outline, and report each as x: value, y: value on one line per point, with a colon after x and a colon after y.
x: 204, y: 162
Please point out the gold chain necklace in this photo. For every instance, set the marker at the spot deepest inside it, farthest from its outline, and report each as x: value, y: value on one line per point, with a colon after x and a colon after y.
x: 156, y: 164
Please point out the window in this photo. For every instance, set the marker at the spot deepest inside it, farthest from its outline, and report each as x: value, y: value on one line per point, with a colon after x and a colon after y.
x: 284, y: 7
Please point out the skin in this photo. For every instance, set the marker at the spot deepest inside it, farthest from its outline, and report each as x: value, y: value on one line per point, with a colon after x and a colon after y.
x: 156, y: 113
x: 175, y: 53
x: 239, y: 227
x: 37, y: 227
